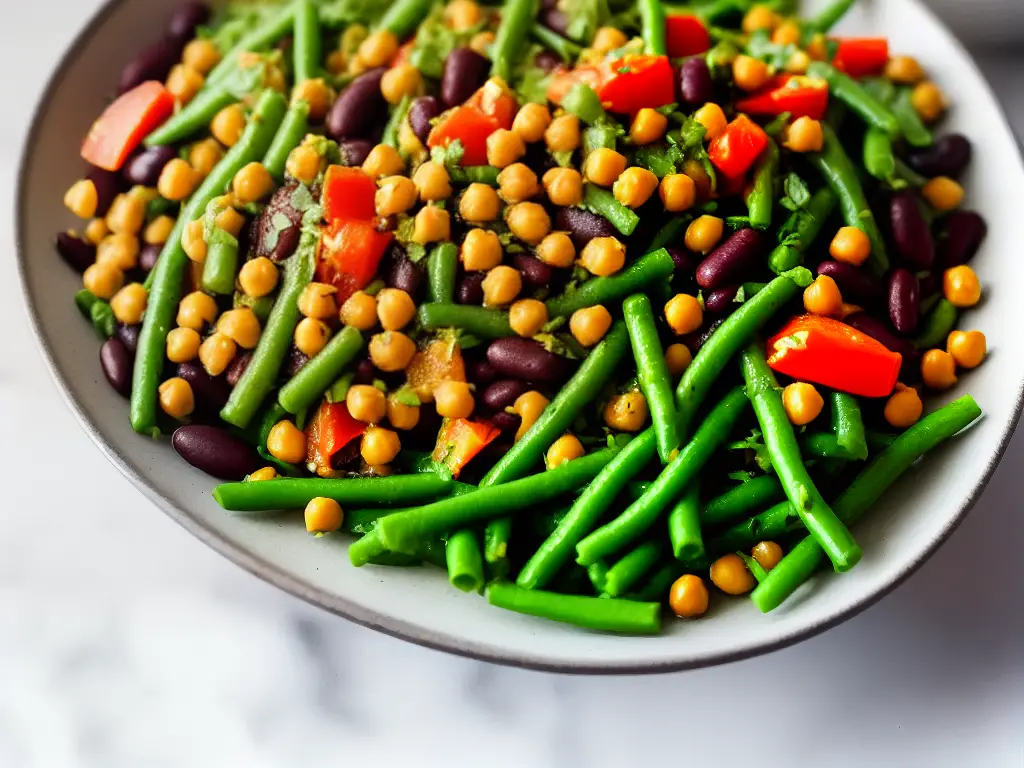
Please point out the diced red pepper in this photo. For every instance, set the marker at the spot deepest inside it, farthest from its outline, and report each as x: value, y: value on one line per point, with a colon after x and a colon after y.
x: 330, y: 430
x: 468, y: 125
x: 636, y: 82
x: 348, y: 193
x: 737, y: 149
x: 800, y: 96
x: 125, y: 123
x: 824, y: 351
x: 686, y: 35
x: 564, y: 80
x: 459, y: 440
x: 350, y: 252
x: 404, y: 53
x: 496, y: 101
x: 862, y: 56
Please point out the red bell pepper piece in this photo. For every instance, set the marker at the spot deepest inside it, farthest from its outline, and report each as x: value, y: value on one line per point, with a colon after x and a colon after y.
x: 459, y: 440
x: 827, y: 352
x: 350, y: 252
x: 686, y: 35
x: 564, y: 80
x: 737, y: 149
x: 348, y: 193
x: 468, y: 125
x: 862, y: 56
x: 635, y: 82
x: 330, y: 430
x: 800, y: 96
x: 496, y: 101
x: 125, y: 123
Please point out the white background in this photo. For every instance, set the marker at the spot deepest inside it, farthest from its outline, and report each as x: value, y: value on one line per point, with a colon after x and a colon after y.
x: 125, y: 642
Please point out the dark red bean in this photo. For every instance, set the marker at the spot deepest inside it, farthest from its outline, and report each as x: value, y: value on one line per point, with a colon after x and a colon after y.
x: 904, y: 300
x: 215, y: 451
x: 694, y: 341
x: 556, y: 20
x: 187, y: 17
x: 210, y: 392
x: 117, y: 365
x: 720, y: 301
x: 548, y: 61
x: 503, y: 394
x: 965, y: 232
x: 144, y: 168
x: 129, y: 336
x: 695, y: 85
x: 108, y: 186
x: 534, y: 271
x: 421, y: 112
x: 948, y: 156
x: 359, y: 109
x: 910, y: 231
x: 583, y: 226
x: 355, y: 151
x: 78, y: 254
x: 294, y: 362
x: 267, y: 239
x: 505, y: 421
x: 405, y: 274
x: 148, y: 257
x: 880, y: 331
x: 364, y: 372
x: 153, y: 62
x: 470, y: 289
x: 480, y: 372
x: 853, y: 283
x: 684, y: 260
x: 465, y: 71
x: 732, y: 260
x: 528, y: 360
x: 237, y: 368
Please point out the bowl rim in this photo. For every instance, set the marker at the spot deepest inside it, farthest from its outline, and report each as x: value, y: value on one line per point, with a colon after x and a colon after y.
x: 283, y: 579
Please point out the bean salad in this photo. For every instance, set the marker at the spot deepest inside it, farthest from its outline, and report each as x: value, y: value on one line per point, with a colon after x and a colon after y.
x: 588, y: 303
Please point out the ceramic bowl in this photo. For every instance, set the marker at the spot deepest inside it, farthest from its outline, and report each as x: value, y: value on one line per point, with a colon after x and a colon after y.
x: 417, y: 604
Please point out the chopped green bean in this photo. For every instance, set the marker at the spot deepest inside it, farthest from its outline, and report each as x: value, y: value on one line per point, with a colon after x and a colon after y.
x: 648, y: 270
x: 588, y: 612
x: 684, y: 526
x: 858, y: 98
x: 442, y: 268
x: 737, y: 502
x: 937, y: 326
x: 517, y: 16
x: 761, y: 199
x: 652, y: 372
x: 296, y: 493
x: 482, y: 322
x: 465, y: 561
x: 289, y: 135
x: 632, y: 567
x: 308, y: 385
x: 603, y: 203
x: 306, y: 41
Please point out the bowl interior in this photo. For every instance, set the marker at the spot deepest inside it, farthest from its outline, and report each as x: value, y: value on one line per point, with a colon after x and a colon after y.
x: 418, y: 604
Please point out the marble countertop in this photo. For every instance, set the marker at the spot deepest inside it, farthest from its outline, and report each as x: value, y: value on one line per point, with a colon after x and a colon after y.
x: 124, y: 642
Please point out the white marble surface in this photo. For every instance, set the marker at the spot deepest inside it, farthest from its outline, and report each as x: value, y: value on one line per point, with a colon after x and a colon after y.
x: 126, y: 643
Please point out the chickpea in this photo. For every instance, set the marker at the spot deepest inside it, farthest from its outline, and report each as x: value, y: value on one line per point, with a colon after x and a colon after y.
x: 158, y: 231
x: 904, y: 70
x: 397, y: 194
x: 182, y: 345
x: 383, y: 160
x: 402, y: 415
x: 968, y: 348
x: 501, y: 285
x: 803, y: 403
x: 603, y: 256
x: 849, y: 309
x: 432, y: 225
x: 688, y: 597
x: 201, y: 55
x: 366, y: 403
x: 531, y: 121
x: 678, y: 358
x: 904, y: 407
x: 704, y: 233
x: 817, y: 48
x: 481, y: 250
x: 258, y: 277
x: 317, y: 301
x: 479, y: 204
x: 527, y: 317
x: 95, y: 231
x: 241, y: 326
x: 787, y: 33
x: 317, y: 95
x: 528, y: 406
x: 798, y: 63
x: 176, y: 398
x: 564, y: 186
x: 627, y: 412
x: 481, y: 42
x: 943, y: 194
x: 432, y: 182
x: 453, y: 400
x: 252, y: 184
x: 228, y: 125
x: 929, y: 101
x: 822, y: 297
x: 563, y: 134
x: 193, y: 243
x: 204, y: 155
x: 767, y: 554
x: 391, y: 351
x: 712, y: 117
x: 760, y: 17
x: 463, y: 15
x: 323, y: 515
x: 961, y: 287
x: 504, y: 147
x: 938, y: 369
x: 303, y: 164
x: 400, y: 81
x: 588, y: 326
x: 695, y: 170
x: 563, y: 450
x: 635, y: 186
x: 216, y: 353
x: 678, y: 192
x: 556, y: 250
x: 395, y: 308
x: 121, y: 251
x: 729, y: 573
x: 127, y: 214
x: 608, y: 39
x: 378, y: 49
x: 196, y: 310
x: 750, y: 74
x: 850, y: 246
x: 103, y: 280
x: 184, y: 83
x: 603, y: 166
x: 359, y: 311
x: 286, y: 442
x: 516, y: 183
x: 262, y: 474
x: 230, y: 220
x: 684, y: 314
x: 129, y: 303
x: 379, y: 446
x: 178, y: 180
x: 528, y: 221
x: 311, y: 336
x: 648, y: 126
x: 805, y: 135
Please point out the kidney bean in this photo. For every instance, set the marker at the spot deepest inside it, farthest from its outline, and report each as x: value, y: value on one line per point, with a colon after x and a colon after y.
x: 853, y: 283
x: 345, y: 455
x: 153, y: 62
x: 211, y: 392
x: 505, y: 421
x: 879, y: 331
x: 267, y: 240
x: 470, y: 289
x: 555, y: 20
x: 528, y: 360
x: 965, y: 232
x: 910, y: 231
x: 548, y: 61
x: 720, y: 301
x: 78, y: 254
x: 237, y: 368
x: 354, y: 151
x: 465, y: 71
x: 503, y: 393
x: 948, y: 156
x: 405, y: 274
x: 364, y: 372
x: 215, y: 451
x: 144, y: 168
x: 583, y: 226
x: 480, y: 371
x: 534, y: 271
x: 185, y: 19
x: 108, y: 186
x: 116, y: 363
x: 148, y: 256
x: 294, y: 362
x: 129, y: 336
x: 732, y: 260
x: 422, y: 110
x: 694, y: 341
x: 695, y: 85
x: 904, y: 300
x: 359, y: 109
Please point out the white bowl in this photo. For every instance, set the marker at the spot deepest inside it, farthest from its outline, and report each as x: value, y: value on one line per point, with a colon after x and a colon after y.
x: 418, y: 604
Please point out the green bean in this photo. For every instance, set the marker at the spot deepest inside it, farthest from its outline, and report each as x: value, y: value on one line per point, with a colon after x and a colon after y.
x: 912, y: 127
x: 905, y: 173
x: 474, y: 174
x: 401, y: 532
x: 657, y: 587
x: 84, y: 299
x: 770, y: 524
x: 598, y: 576
x: 849, y: 426
x: 170, y: 267
x: 603, y: 203
x: 805, y: 225
x: 309, y: 384
x: 482, y: 322
x: 588, y: 612
x: 587, y: 510
x: 221, y: 265
x: 598, y: 136
x: 259, y: 39
x: 645, y: 511
x: 442, y: 266
x: 306, y: 41
x: 879, y: 441
x: 798, y: 565
x: 653, y: 268
x: 102, y: 317
x: 296, y: 493
x: 567, y: 50
x: 717, y: 12
x: 937, y: 326
x: 854, y: 95
x: 780, y: 440
x: 289, y: 135
x: 632, y: 567
x: 517, y: 16
x: 465, y: 562
x: 193, y: 117
x: 829, y: 16
x: 730, y: 337
x: 652, y: 372
x: 684, y: 526
x: 403, y: 16
x: 652, y: 27
x: 583, y: 101
x: 761, y: 199
x: 394, y: 124
x: 366, y: 549
x: 672, y: 231
x: 879, y: 160
x: 755, y: 568
x: 737, y: 502
x: 822, y: 445
x: 839, y: 173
